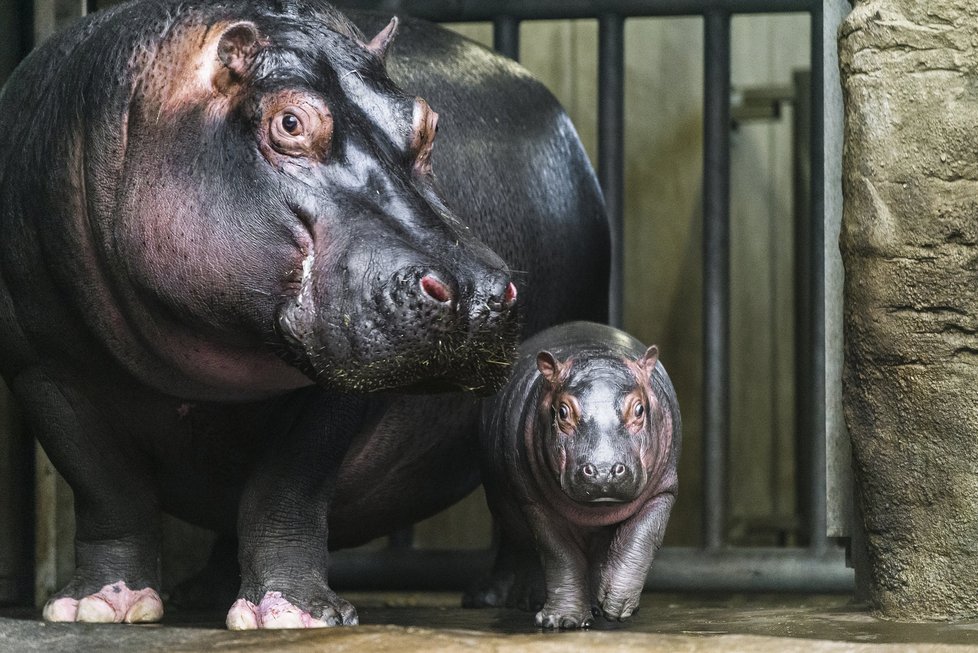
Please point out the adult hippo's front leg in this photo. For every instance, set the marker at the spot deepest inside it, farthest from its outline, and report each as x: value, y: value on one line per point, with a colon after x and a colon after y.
x: 117, y: 555
x: 282, y: 522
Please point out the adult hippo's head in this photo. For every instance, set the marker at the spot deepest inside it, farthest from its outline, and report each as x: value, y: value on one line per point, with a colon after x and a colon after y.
x: 277, y: 186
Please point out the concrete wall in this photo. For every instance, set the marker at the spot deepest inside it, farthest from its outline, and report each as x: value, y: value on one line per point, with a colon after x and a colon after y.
x: 910, y: 247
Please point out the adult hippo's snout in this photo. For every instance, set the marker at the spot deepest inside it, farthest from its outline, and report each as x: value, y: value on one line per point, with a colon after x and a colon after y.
x: 427, y: 298
x: 429, y: 325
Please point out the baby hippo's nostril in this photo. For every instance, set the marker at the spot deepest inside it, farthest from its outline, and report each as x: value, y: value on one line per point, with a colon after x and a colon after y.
x: 436, y: 289
x: 617, y: 470
x: 588, y: 470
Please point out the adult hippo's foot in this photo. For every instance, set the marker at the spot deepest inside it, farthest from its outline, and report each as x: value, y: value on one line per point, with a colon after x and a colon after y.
x: 282, y: 522
x: 276, y: 611
x: 114, y: 603
x: 116, y: 582
x: 516, y: 581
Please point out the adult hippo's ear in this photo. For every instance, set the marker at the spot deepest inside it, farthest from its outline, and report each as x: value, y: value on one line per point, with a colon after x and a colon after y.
x: 236, y: 50
x: 550, y: 368
x: 649, y: 359
x: 379, y: 44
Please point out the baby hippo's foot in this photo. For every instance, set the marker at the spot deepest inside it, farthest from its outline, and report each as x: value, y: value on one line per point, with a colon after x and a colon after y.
x: 275, y: 611
x: 114, y: 603
x: 619, y: 593
x: 564, y: 617
x: 618, y: 607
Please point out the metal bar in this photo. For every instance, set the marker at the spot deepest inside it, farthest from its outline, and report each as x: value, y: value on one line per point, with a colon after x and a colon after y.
x: 674, y: 570
x: 818, y: 502
x: 506, y: 36
x: 716, y: 274
x: 750, y: 570
x: 803, y: 252
x: 487, y: 10
x: 611, y: 156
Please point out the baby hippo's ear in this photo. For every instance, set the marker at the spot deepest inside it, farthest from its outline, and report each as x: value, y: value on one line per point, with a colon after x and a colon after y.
x: 649, y: 359
x: 550, y: 368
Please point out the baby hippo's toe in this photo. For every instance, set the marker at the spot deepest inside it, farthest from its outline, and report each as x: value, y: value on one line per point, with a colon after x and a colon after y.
x: 563, y: 617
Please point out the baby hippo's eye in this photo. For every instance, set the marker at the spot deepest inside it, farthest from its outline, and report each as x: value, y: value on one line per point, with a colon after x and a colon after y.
x: 639, y: 410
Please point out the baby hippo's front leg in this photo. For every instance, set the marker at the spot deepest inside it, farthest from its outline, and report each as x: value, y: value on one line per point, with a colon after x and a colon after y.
x: 629, y: 558
x: 565, y: 570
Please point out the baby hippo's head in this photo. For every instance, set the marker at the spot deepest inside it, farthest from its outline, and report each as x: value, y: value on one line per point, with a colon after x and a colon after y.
x: 602, y: 432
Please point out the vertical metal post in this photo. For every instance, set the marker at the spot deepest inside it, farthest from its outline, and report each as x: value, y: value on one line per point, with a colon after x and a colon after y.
x: 818, y: 502
x: 506, y: 36
x: 803, y: 252
x: 611, y: 157
x: 716, y: 274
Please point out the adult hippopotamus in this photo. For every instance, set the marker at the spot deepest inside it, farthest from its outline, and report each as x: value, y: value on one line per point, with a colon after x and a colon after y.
x: 580, y: 452
x: 223, y: 227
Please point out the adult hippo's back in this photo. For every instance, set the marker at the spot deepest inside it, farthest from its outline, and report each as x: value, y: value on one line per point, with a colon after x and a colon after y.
x: 205, y: 207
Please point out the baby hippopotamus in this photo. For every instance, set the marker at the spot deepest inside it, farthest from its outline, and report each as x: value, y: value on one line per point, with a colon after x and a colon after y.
x: 579, y: 457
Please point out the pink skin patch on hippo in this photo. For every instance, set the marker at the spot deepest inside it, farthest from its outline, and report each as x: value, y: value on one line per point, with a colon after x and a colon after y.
x: 114, y: 603
x: 274, y: 611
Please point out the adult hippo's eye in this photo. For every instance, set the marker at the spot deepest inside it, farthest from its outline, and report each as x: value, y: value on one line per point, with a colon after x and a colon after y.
x: 291, y: 124
x: 289, y: 130
x: 298, y: 126
x: 563, y: 412
x: 639, y: 410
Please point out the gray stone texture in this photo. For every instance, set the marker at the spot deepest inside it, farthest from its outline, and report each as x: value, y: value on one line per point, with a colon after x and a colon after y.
x: 910, y: 248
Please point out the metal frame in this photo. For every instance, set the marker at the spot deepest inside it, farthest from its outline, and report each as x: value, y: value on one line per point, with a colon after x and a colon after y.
x: 716, y: 566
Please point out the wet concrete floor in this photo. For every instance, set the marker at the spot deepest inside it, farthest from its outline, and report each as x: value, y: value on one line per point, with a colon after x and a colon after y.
x: 434, y: 622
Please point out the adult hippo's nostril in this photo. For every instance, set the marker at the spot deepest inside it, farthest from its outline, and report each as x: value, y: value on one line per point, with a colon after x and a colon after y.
x: 509, y: 295
x: 504, y: 298
x: 435, y: 288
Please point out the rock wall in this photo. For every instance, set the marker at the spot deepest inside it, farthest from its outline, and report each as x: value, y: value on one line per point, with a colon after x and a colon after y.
x: 910, y: 247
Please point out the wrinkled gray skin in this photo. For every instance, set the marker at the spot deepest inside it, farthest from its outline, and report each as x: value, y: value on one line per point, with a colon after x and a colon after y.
x: 580, y: 452
x: 177, y: 268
